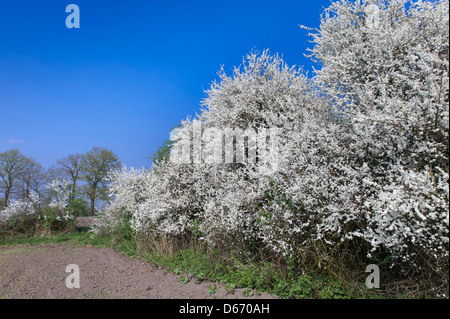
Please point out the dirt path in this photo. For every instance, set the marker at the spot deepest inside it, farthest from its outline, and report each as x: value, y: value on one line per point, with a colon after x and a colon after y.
x: 40, y: 272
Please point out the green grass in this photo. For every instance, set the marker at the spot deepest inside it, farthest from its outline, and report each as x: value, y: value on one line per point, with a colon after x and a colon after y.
x: 49, y: 239
x: 80, y: 237
x: 259, y: 277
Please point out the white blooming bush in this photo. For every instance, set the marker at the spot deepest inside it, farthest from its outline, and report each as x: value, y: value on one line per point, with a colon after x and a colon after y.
x: 60, y: 189
x: 30, y: 215
x: 385, y: 75
x: 362, y: 148
x: 409, y: 216
x: 23, y: 216
x: 219, y: 200
x: 20, y: 208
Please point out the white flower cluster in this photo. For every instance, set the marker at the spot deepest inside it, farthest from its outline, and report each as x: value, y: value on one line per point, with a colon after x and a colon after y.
x: 363, y: 147
x: 60, y: 189
x: 388, y: 85
x: 21, y: 207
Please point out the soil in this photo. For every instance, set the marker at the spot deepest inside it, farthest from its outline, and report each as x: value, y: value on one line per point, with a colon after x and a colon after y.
x: 39, y: 271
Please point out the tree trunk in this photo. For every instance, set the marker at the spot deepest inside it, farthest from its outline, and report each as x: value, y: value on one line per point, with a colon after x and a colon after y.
x: 72, y: 195
x: 92, y: 206
x: 93, y: 195
x: 7, y: 192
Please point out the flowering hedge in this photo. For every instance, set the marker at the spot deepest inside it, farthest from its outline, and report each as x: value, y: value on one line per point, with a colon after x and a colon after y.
x: 29, y: 214
x: 362, y: 147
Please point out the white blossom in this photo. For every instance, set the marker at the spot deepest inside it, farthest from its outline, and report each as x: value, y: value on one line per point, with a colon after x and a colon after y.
x: 362, y: 147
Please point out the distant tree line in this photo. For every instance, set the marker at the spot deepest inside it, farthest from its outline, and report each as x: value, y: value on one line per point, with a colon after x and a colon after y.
x: 85, y: 175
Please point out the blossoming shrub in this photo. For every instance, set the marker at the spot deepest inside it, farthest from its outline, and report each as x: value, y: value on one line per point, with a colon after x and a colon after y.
x: 385, y: 75
x: 30, y: 216
x: 218, y: 200
x: 20, y: 214
x: 362, y: 159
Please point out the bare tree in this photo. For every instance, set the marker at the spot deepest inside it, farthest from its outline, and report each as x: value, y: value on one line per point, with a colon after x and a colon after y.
x: 69, y: 167
x: 95, y: 166
x: 12, y: 165
x: 31, y: 179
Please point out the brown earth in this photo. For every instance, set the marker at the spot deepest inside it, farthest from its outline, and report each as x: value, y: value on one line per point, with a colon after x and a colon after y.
x: 39, y: 271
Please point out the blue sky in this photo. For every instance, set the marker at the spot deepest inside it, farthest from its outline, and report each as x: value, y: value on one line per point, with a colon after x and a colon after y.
x: 131, y: 71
